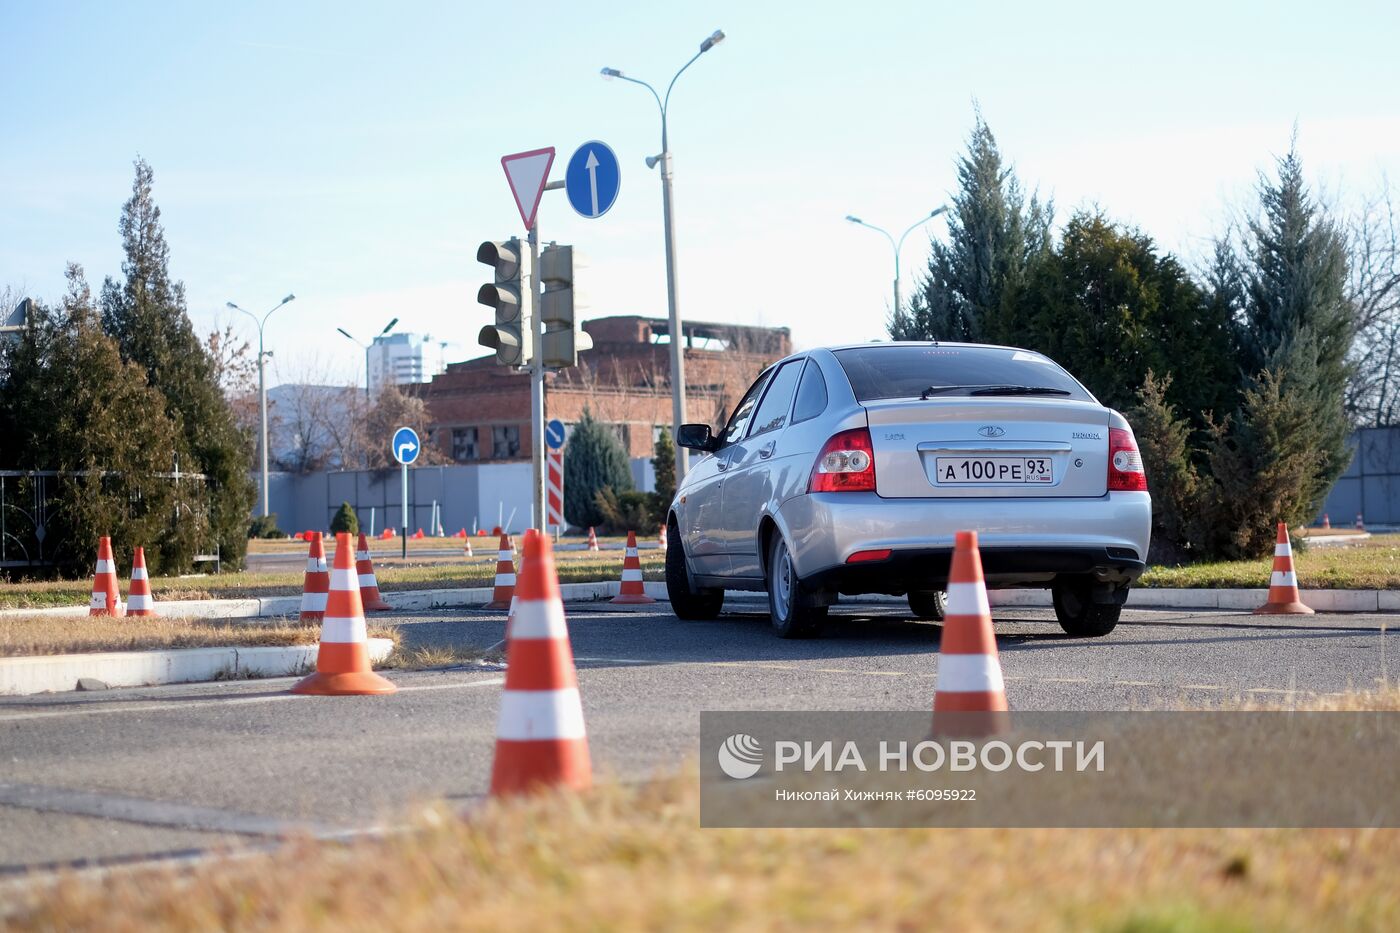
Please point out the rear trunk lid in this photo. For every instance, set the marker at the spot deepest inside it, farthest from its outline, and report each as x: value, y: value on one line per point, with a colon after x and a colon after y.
x: 989, y: 447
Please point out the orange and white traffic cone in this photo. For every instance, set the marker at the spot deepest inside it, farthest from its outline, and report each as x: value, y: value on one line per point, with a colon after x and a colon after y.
x: 592, y: 539
x: 342, y: 662
x: 1326, y: 522
x: 106, y: 597
x: 1360, y: 522
x: 369, y: 586
x: 540, y: 737
x: 139, y: 601
x: 1283, y: 583
x: 505, y: 575
x: 661, y: 538
x: 467, y: 549
x: 632, y: 591
x: 970, y: 698
x: 317, y: 582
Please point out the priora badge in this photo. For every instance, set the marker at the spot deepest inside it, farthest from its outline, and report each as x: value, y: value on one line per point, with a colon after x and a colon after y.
x: 991, y: 430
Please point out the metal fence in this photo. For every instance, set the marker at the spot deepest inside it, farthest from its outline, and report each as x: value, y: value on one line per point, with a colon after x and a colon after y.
x: 1370, y: 487
x: 29, y: 506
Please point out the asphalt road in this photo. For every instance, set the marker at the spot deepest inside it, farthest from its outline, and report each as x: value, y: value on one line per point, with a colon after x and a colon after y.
x: 129, y: 773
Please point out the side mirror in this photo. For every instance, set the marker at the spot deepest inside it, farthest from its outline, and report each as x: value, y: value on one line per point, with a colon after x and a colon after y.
x: 697, y: 437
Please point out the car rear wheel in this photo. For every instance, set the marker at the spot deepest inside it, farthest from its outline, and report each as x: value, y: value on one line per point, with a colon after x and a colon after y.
x: 1078, y: 613
x: 929, y: 604
x: 686, y: 602
x: 789, y: 601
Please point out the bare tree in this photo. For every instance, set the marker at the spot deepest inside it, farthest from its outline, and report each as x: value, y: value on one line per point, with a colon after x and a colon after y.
x: 1373, y: 286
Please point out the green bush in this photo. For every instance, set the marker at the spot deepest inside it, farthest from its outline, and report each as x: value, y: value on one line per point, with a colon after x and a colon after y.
x: 625, y: 511
x: 265, y: 526
x: 345, y: 520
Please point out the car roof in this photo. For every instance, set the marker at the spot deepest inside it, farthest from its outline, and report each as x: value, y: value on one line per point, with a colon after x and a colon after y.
x: 920, y: 343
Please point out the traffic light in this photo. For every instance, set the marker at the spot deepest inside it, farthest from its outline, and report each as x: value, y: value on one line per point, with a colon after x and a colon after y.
x: 509, y: 295
x: 563, y: 338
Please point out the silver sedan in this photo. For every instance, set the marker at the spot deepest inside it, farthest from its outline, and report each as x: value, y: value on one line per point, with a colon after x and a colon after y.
x: 848, y: 470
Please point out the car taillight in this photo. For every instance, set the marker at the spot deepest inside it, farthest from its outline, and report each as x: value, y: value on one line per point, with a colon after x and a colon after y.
x: 845, y: 464
x: 1125, y: 471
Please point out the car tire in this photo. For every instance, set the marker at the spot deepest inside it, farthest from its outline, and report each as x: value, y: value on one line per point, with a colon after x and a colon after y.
x: 928, y: 604
x: 792, y: 613
x: 686, y: 602
x: 1079, y: 615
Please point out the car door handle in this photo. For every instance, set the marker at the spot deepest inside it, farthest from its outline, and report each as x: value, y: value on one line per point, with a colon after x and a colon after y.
x: 766, y: 450
x: 721, y: 463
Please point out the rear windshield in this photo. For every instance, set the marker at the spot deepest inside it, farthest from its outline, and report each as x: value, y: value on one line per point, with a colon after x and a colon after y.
x: 903, y: 371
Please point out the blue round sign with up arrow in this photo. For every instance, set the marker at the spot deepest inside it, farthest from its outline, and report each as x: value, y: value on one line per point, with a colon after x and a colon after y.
x: 405, y: 445
x: 592, y: 179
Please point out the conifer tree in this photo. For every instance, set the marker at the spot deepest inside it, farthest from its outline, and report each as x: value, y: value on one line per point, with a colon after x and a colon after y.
x: 146, y: 316
x: 593, y: 460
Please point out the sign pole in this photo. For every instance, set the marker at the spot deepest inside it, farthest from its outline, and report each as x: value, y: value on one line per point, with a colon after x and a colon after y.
x: 403, y: 478
x: 537, y: 496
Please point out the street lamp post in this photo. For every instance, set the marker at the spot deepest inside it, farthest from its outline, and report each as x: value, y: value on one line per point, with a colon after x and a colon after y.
x: 366, y: 347
x: 672, y: 299
x: 897, y: 246
x: 262, y: 389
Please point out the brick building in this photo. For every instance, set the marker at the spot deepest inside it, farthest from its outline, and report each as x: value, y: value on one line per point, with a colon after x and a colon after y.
x: 481, y: 411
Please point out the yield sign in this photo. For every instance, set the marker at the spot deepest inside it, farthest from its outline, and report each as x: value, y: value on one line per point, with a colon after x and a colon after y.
x: 527, y: 173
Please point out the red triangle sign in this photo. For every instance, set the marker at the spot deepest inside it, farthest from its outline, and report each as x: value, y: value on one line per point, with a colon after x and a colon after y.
x: 527, y: 173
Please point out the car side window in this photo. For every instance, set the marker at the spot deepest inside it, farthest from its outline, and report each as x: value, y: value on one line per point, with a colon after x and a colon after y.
x: 773, y: 411
x: 811, y: 394
x: 744, y: 410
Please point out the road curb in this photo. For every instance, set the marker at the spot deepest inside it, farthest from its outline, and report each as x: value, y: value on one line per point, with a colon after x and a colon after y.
x: 61, y: 672
x: 470, y: 597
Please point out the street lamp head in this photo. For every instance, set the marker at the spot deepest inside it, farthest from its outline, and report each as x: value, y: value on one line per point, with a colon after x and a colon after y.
x: 937, y: 211
x: 610, y: 73
x: 715, y: 39
x: 853, y: 219
x: 388, y: 327
x: 344, y: 332
x: 229, y: 304
x: 288, y: 298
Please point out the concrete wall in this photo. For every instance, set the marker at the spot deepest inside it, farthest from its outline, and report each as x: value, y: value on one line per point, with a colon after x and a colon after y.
x: 473, y: 495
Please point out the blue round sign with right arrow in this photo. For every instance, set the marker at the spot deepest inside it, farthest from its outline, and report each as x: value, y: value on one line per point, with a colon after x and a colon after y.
x: 592, y: 179
x: 405, y: 445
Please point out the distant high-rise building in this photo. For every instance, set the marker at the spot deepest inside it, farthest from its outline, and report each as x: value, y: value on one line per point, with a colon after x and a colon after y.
x: 397, y: 359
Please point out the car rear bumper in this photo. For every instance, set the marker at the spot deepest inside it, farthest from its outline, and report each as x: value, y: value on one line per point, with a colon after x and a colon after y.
x: 1023, y: 542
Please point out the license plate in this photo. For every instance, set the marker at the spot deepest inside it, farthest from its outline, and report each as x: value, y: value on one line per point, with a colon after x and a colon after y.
x: 1030, y: 471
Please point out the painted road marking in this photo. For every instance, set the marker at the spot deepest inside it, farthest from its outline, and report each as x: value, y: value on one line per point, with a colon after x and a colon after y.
x: 152, y: 812
x: 162, y: 706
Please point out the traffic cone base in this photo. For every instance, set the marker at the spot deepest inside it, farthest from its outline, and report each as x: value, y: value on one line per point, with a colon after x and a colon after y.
x: 970, y: 695
x: 342, y: 661
x: 1284, y: 598
x: 631, y: 593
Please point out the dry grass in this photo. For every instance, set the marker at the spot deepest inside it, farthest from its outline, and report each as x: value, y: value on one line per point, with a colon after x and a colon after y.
x: 40, y: 635
x: 635, y: 859
x: 424, y: 657
x: 621, y: 858
x: 574, y: 567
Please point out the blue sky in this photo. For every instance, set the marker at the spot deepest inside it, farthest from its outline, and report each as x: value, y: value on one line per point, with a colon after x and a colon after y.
x: 350, y: 152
